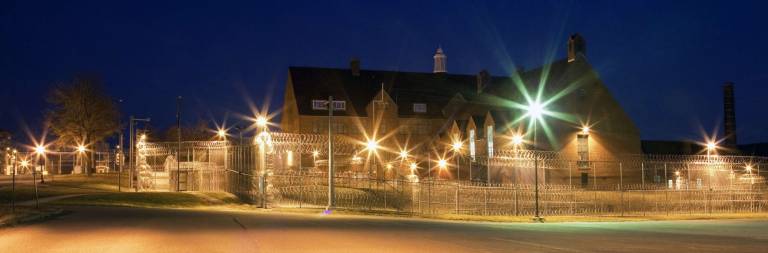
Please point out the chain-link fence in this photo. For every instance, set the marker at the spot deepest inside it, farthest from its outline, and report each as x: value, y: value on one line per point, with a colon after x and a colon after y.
x: 287, y: 170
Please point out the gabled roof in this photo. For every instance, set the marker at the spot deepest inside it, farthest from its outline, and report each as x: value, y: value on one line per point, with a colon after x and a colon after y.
x: 436, y: 90
x: 405, y: 88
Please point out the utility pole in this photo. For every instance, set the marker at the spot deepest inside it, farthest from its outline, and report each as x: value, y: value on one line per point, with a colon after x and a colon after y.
x: 130, y: 151
x: 331, y: 190
x: 119, y: 152
x: 13, y: 183
x: 178, y: 142
x: 536, y: 171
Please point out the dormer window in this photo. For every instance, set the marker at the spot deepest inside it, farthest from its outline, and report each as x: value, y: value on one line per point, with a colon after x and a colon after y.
x: 339, y: 105
x: 319, y: 104
x: 420, y: 107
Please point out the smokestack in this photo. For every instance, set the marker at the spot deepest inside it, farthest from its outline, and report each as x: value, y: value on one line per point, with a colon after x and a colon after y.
x: 354, y: 66
x: 729, y: 104
x: 482, y: 80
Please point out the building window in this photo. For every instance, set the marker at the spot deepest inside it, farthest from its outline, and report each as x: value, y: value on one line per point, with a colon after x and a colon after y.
x: 319, y: 104
x: 582, y: 150
x: 489, y: 135
x: 338, y: 105
x: 420, y: 107
x: 472, y: 144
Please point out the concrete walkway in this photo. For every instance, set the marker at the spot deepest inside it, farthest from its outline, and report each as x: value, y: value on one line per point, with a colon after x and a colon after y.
x: 114, y: 229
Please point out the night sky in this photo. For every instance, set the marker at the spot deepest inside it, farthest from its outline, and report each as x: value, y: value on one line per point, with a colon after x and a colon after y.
x: 664, y: 62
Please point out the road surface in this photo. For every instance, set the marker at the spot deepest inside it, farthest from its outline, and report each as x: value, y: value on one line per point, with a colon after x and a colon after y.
x: 113, y: 229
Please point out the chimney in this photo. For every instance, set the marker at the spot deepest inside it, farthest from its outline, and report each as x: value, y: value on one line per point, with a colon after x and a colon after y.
x: 354, y: 66
x: 482, y: 80
x: 576, y: 46
x: 729, y: 104
x: 439, y: 61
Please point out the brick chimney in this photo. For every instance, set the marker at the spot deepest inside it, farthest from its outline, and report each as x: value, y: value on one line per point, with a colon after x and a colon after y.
x: 483, y: 78
x: 354, y: 66
x: 576, y: 46
x: 729, y: 105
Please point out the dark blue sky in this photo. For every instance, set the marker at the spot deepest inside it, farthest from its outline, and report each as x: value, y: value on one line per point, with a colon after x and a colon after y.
x: 664, y: 61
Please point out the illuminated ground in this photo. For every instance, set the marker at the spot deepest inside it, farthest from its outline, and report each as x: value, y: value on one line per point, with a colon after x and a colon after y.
x: 112, y: 229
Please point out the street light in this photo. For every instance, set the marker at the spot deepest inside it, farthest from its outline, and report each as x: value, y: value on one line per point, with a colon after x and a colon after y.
x: 585, y: 130
x: 403, y: 154
x: 517, y: 140
x: 222, y: 133
x: 535, y: 111
x: 261, y: 121
x: 442, y: 164
x: 40, y: 151
x: 80, y: 151
x: 711, y: 146
x: 371, y: 145
x: 456, y: 147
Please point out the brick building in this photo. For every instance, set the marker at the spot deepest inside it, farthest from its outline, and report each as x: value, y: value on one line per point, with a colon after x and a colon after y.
x: 427, y: 112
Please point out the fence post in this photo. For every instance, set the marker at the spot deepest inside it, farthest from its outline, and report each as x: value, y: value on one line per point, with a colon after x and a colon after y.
x: 485, y: 200
x: 666, y: 199
x: 385, y: 193
x: 514, y: 191
x: 456, y: 199
x: 621, y: 200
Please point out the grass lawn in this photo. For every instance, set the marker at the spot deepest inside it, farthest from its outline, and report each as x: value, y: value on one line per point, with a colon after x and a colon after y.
x: 601, y: 218
x: 60, y: 185
x: 153, y: 199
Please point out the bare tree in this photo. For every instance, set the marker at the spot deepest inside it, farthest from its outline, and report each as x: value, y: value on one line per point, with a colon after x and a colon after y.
x: 82, y: 113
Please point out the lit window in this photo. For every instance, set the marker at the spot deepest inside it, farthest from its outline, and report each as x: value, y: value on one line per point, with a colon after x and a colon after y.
x: 489, y: 135
x: 319, y: 105
x: 472, y: 144
x: 339, y: 105
x: 582, y: 150
x: 420, y: 107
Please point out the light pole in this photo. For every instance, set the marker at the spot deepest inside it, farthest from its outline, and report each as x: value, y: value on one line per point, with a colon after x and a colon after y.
x: 456, y: 148
x: 442, y: 164
x: 535, y: 111
x: 178, y: 143
x: 711, y: 146
x: 80, y: 152
x: 13, y: 182
x: 40, y: 151
x: 131, y: 152
x: 331, y: 190
x: 263, y: 139
x: 371, y: 145
x: 517, y: 140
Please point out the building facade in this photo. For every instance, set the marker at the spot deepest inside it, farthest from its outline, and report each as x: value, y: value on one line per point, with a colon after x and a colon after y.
x: 427, y: 113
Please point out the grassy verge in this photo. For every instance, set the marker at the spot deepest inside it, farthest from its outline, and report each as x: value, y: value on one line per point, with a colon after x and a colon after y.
x: 61, y: 185
x: 25, y: 214
x: 601, y: 218
x: 525, y: 219
x: 152, y: 199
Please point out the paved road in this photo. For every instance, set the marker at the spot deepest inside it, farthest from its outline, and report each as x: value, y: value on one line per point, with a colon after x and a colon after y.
x: 102, y: 229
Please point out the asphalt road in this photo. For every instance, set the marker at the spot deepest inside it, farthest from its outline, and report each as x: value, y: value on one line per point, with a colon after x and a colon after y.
x: 103, y: 229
